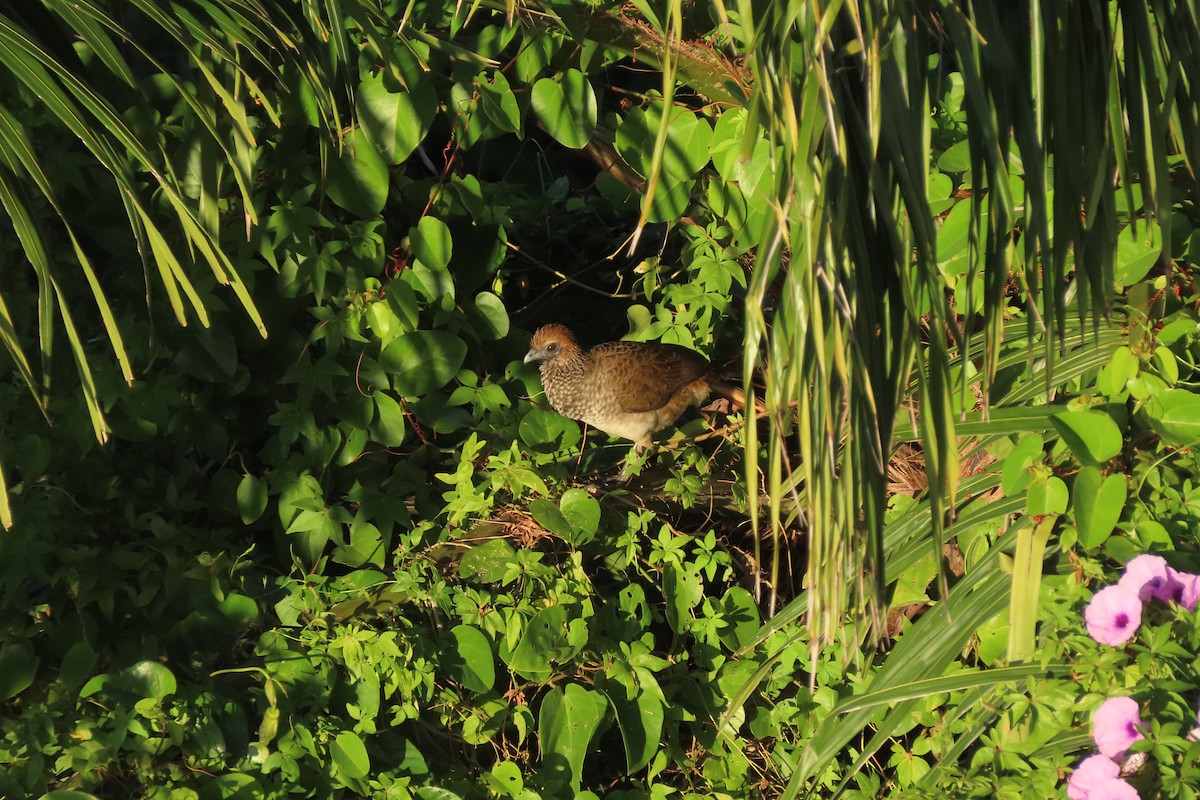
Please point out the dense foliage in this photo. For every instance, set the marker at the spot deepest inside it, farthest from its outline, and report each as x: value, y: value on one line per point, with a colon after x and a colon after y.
x: 359, y: 556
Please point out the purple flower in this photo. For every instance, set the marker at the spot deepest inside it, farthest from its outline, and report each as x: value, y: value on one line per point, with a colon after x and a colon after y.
x: 1114, y: 614
x: 1188, y: 588
x: 1091, y: 772
x: 1112, y: 789
x: 1149, y: 576
x: 1115, y: 726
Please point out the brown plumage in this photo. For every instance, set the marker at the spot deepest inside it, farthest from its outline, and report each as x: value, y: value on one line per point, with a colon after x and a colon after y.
x: 626, y: 389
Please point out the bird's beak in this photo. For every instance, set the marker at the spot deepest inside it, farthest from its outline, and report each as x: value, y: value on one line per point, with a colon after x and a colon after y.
x: 533, y: 355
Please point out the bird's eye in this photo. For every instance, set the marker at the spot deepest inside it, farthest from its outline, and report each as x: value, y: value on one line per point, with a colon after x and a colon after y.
x: 553, y: 346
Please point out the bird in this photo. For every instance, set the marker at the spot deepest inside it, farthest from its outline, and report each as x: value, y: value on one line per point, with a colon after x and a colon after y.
x: 629, y: 390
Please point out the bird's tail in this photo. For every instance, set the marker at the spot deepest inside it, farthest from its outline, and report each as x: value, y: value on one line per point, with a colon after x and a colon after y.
x: 737, y: 396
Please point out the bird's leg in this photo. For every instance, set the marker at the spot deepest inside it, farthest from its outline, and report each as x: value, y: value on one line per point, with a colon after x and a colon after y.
x: 635, y: 459
x: 582, y: 445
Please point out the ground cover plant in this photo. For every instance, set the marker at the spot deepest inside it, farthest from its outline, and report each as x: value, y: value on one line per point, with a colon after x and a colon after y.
x: 286, y: 516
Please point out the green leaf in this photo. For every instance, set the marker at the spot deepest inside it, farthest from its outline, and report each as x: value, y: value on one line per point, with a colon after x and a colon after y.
x: 67, y: 794
x: 1047, y: 496
x: 487, y: 562
x: 550, y: 517
x: 566, y: 109
x: 1098, y: 504
x: 475, y: 666
x: 582, y: 512
x: 548, y: 431
x: 251, y: 498
x: 1174, y: 414
x: 147, y: 679
x: 423, y: 361
x: 497, y: 100
x: 506, y: 780
x: 350, y: 755
x: 640, y: 719
x: 18, y: 666
x: 389, y: 428
x: 432, y: 243
x: 546, y: 641
x: 358, y: 179
x: 233, y: 786
x: 1092, y: 436
x: 1017, y: 474
x: 239, y: 609
x: 396, y: 122
x: 682, y: 589
x: 741, y: 618
x: 567, y: 721
x: 490, y: 316
x: 1137, y: 252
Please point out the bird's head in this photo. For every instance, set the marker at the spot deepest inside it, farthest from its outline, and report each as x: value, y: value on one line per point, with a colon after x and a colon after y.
x: 550, y: 342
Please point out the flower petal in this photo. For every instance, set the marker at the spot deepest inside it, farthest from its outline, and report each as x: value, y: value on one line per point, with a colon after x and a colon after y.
x: 1115, y: 726
x: 1092, y: 771
x: 1114, y: 615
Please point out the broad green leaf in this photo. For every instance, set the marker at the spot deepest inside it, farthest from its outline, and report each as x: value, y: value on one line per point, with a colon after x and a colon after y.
x: 1098, y: 502
x: 1137, y: 252
x: 251, y: 498
x: 475, y: 666
x: 147, y: 679
x: 567, y: 721
x: 1092, y: 436
x: 640, y: 719
x: 741, y: 618
x: 490, y: 317
x: 486, y: 562
x: 239, y: 609
x: 67, y: 794
x: 18, y: 666
x: 582, y: 512
x: 497, y: 100
x: 548, y: 431
x: 232, y: 786
x: 77, y: 665
x: 432, y: 243
x: 396, y: 122
x: 550, y: 517
x: 539, y: 46
x: 1174, y: 414
x: 1048, y: 496
x: 366, y: 545
x: 423, y: 361
x: 682, y: 589
x: 383, y: 321
x: 1017, y: 473
x: 547, y: 640
x: 1167, y: 364
x: 350, y: 755
x: 389, y: 427
x: 357, y: 177
x: 566, y: 108
x: 1115, y: 376
x: 956, y: 158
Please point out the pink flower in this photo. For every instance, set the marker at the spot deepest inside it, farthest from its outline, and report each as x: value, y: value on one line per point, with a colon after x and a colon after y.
x: 1115, y: 726
x: 1091, y: 772
x: 1114, y: 614
x: 1112, y: 789
x: 1149, y: 576
x: 1188, y: 592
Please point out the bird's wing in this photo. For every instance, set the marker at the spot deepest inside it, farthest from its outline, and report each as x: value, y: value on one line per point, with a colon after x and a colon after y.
x: 644, y: 376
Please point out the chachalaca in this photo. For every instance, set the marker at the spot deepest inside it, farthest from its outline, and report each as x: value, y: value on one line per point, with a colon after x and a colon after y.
x: 626, y: 389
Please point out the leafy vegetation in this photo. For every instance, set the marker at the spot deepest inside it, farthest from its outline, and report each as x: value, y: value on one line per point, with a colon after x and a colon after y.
x: 330, y: 541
